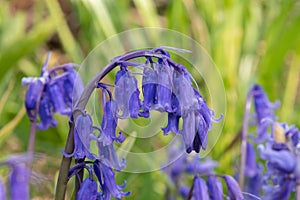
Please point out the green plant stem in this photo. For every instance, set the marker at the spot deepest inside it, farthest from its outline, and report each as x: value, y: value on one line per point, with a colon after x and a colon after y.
x: 190, y: 195
x: 65, y: 166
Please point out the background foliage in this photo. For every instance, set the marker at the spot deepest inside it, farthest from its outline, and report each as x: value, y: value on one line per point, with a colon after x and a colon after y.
x: 249, y: 40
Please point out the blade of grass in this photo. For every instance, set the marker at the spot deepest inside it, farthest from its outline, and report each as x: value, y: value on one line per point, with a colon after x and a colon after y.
x: 147, y: 11
x: 291, y: 89
x: 9, y: 127
x: 27, y: 44
x: 6, y: 94
x: 64, y: 33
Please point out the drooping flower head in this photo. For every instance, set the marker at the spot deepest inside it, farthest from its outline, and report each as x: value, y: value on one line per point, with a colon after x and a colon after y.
x: 52, y: 92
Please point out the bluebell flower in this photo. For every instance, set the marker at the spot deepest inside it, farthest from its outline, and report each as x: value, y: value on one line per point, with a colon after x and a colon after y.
x: 88, y: 190
x: 193, y: 165
x: 215, y: 189
x: 281, y: 191
x: 149, y: 86
x: 164, y: 87
x: 46, y: 118
x: 33, y: 92
x: 57, y: 100
x: 109, y: 156
x: 203, y: 123
x: 293, y: 133
x: 200, y: 191
x: 58, y: 90
x: 193, y: 110
x: 82, y: 135
x: 204, y: 167
x: 108, y: 185
x: 264, y: 109
x: 184, y: 191
x: 184, y: 92
x: 2, y: 191
x: 251, y: 168
x: 109, y: 124
x: 127, y: 94
x: 282, y: 160
x: 19, y: 182
x: 233, y: 188
x: 189, y: 130
x: 72, y: 85
x: 173, y: 117
x: 89, y: 187
x: 253, y: 172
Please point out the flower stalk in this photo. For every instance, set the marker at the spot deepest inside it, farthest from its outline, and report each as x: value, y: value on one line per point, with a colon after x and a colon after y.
x: 244, y: 140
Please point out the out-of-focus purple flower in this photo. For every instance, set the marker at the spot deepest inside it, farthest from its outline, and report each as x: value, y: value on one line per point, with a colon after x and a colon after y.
x: 215, y: 189
x: 204, y: 167
x: 32, y: 95
x: 46, y: 118
x: 184, y: 191
x: 108, y: 185
x: 282, y: 191
x: 53, y: 92
x: 127, y: 94
x: 57, y: 99
x: 282, y: 160
x: 233, y: 188
x: 200, y: 191
x: 293, y: 133
x: 253, y: 172
x: 19, y: 182
x: 88, y: 190
x: 251, y: 164
x: 178, y: 162
x: 72, y: 85
x: 82, y: 131
x: 2, y: 191
x: 264, y: 111
x: 109, y: 156
x: 254, y: 184
x: 263, y: 107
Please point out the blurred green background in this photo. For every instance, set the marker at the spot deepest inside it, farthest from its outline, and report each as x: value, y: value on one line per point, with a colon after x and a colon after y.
x: 249, y: 41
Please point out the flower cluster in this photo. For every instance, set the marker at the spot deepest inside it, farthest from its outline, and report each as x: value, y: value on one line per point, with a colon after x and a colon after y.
x: 278, y: 148
x: 52, y: 92
x: 166, y: 87
x: 206, y: 183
